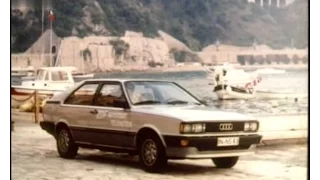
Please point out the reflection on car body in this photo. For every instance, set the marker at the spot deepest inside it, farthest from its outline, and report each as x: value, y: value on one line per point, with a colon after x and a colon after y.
x: 157, y: 120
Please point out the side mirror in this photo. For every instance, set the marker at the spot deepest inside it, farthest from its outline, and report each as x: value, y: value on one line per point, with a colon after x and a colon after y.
x: 121, y: 103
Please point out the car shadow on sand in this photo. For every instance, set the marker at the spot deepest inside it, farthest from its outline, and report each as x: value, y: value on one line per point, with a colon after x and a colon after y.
x: 126, y: 161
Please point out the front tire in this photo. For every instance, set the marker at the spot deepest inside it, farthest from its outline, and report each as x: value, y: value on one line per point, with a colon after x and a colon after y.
x: 225, y: 162
x: 65, y: 144
x: 152, y: 154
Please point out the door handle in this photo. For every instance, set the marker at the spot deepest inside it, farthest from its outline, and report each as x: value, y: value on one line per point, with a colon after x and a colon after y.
x: 94, y: 111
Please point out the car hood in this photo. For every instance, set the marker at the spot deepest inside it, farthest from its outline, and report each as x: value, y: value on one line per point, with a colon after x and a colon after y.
x: 192, y: 113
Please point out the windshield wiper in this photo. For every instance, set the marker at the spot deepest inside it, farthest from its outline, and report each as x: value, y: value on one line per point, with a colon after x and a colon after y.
x: 181, y: 102
x: 147, y: 102
x: 177, y: 102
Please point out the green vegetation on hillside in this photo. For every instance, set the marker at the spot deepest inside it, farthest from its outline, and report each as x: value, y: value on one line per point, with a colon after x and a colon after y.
x: 197, y: 23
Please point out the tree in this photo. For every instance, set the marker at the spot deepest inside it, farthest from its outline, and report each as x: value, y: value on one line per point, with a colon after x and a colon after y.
x: 96, y: 18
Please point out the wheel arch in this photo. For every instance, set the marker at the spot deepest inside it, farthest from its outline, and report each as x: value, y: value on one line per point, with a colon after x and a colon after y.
x: 147, y: 129
x: 62, y: 123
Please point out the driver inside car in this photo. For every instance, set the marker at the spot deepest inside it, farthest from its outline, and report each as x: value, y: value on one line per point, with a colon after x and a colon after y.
x: 134, y: 96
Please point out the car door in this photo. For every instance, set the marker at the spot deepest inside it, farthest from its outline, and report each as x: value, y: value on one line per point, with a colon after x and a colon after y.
x: 78, y: 111
x: 113, y: 123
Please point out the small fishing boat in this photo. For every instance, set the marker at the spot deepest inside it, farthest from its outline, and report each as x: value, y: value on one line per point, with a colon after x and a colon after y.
x: 76, y: 74
x: 48, y: 81
x: 229, y: 92
x: 230, y: 83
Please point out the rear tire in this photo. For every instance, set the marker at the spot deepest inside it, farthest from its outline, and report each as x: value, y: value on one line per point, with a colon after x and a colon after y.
x: 152, y: 154
x: 225, y: 162
x: 65, y: 144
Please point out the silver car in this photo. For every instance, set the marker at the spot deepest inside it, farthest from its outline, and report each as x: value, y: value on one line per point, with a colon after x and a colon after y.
x: 156, y: 120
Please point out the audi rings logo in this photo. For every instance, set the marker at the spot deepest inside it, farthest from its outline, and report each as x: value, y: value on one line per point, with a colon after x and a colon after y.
x: 226, y: 126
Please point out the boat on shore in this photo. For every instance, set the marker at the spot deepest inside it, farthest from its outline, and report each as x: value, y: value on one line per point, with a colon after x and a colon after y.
x: 48, y: 81
x: 231, y: 83
x: 76, y: 74
x: 234, y: 84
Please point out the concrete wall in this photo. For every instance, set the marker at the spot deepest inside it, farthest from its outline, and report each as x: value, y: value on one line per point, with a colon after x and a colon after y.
x: 141, y: 51
x: 35, y: 60
x: 283, y: 127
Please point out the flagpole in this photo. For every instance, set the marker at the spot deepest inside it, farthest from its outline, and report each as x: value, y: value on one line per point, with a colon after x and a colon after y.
x: 51, y: 61
x: 51, y: 19
x: 42, y: 13
x: 42, y: 29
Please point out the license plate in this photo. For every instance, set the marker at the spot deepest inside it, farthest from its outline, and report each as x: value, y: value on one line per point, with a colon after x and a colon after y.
x: 228, y: 141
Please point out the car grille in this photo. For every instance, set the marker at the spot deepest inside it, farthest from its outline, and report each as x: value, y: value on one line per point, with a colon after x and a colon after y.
x: 225, y: 127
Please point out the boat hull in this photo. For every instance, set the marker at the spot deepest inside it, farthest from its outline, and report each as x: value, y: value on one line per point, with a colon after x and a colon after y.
x: 227, y: 92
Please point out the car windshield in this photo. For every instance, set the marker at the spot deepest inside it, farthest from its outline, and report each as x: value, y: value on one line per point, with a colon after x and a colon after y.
x: 157, y: 92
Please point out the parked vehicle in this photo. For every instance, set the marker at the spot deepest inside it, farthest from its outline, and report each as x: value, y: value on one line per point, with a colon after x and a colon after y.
x: 156, y: 120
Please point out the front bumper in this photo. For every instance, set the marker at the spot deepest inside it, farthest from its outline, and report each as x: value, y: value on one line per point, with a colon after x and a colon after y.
x: 206, y: 147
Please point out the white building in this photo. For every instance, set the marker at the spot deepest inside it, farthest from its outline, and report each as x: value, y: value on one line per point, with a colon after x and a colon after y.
x: 275, y: 3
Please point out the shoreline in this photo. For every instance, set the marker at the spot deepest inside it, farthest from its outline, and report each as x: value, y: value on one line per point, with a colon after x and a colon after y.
x: 202, y: 68
x: 192, y: 68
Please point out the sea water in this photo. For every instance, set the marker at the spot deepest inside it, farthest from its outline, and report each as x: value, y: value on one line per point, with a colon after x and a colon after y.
x: 293, y: 81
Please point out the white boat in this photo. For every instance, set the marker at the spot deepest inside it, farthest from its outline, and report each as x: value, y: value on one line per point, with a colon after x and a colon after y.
x: 270, y: 71
x: 49, y: 80
x: 76, y: 74
x: 230, y: 83
x: 228, y: 92
x: 212, y: 71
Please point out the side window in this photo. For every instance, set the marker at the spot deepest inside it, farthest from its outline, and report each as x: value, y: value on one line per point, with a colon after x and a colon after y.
x: 83, y: 96
x: 59, y: 76
x: 46, y: 76
x: 108, y: 94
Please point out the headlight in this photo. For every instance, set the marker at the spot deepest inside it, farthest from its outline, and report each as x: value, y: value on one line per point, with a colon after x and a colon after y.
x: 192, y: 128
x: 250, y: 126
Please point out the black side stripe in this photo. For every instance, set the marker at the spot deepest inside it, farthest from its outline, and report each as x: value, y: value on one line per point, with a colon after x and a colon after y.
x: 53, y: 102
x: 105, y: 131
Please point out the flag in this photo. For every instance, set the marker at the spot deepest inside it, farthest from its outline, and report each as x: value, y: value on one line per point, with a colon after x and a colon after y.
x: 52, y: 17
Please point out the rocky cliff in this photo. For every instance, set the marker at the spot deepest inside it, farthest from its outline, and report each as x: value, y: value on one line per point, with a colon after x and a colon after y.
x: 194, y: 23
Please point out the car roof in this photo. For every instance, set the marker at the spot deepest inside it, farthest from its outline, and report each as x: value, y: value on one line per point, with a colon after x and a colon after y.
x: 124, y: 80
